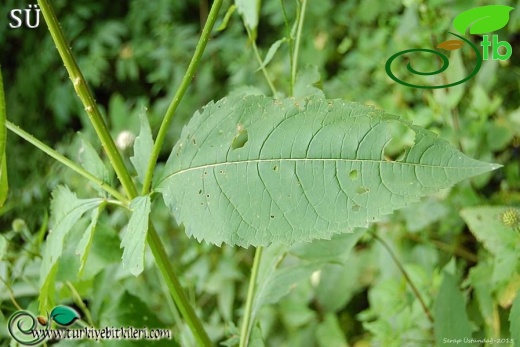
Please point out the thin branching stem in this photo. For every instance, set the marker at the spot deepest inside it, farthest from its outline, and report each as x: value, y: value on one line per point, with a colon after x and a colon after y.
x: 186, y: 80
x: 247, y: 321
x: 65, y: 161
x: 406, y: 276
x: 259, y: 60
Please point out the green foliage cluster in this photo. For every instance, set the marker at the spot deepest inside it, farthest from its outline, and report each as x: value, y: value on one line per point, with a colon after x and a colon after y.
x: 443, y: 267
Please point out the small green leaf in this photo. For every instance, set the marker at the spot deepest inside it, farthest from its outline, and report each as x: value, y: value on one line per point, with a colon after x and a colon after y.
x: 47, y: 289
x: 514, y: 319
x: 249, y: 10
x: 451, y: 320
x: 85, y: 243
x: 485, y: 223
x: 308, y: 82
x: 329, y: 332
x: 143, y: 146
x: 256, y: 338
x: 134, y: 240
x: 64, y: 315
x: 90, y: 160
x: 291, y: 178
x: 271, y: 52
x: 4, y: 186
x: 66, y: 210
x: 483, y: 19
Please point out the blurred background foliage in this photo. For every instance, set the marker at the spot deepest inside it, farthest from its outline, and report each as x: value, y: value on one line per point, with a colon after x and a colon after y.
x: 134, y: 54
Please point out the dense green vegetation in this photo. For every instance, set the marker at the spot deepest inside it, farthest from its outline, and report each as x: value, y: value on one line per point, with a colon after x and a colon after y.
x: 445, y: 267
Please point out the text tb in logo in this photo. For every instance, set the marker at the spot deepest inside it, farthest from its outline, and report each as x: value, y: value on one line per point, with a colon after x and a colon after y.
x: 495, y: 46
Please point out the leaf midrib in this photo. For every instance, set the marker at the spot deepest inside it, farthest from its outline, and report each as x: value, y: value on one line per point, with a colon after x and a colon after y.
x: 250, y: 161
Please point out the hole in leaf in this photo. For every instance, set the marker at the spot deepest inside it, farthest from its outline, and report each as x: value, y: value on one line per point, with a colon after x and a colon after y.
x: 200, y: 191
x: 240, y: 139
x: 362, y: 190
x: 275, y: 168
x: 272, y: 216
x: 207, y: 195
x: 353, y: 175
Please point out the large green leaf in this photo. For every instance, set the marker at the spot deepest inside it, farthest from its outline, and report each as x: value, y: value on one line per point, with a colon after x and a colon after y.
x: 254, y: 170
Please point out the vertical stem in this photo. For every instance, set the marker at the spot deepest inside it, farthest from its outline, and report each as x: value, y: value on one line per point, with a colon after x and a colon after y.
x: 245, y: 331
x: 188, y: 76
x: 80, y: 85
x: 176, y: 290
x: 116, y: 160
x: 406, y: 276
x: 294, y: 65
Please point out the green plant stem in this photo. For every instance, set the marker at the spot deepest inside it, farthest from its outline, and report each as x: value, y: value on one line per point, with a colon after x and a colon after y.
x: 176, y: 290
x: 81, y: 87
x: 79, y: 302
x: 406, y: 276
x: 259, y: 60
x: 247, y: 323
x: 65, y: 161
x: 188, y: 76
x: 116, y: 160
x: 294, y: 64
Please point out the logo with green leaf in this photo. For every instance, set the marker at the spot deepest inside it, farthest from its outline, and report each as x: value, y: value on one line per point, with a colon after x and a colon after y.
x: 22, y: 324
x: 479, y: 21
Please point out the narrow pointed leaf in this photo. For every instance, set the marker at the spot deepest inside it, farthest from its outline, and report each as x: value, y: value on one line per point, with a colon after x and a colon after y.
x: 66, y: 210
x: 143, y: 146
x: 451, y: 320
x: 483, y: 19
x: 249, y: 10
x: 4, y: 186
x: 271, y: 52
x: 90, y: 160
x: 310, y: 168
x: 134, y: 240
